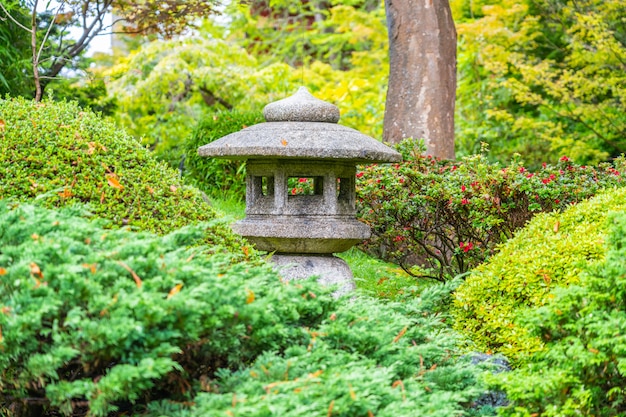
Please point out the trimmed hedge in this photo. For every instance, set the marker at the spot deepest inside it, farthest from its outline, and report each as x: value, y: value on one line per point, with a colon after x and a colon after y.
x: 59, y: 154
x: 582, y: 371
x: 550, y: 252
x: 112, y: 322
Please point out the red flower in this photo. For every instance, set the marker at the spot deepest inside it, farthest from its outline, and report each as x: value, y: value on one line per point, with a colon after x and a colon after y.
x: 522, y: 170
x: 557, y: 201
x: 398, y: 238
x: 543, y: 164
x: 463, y: 188
x: 465, y: 201
x: 466, y: 246
x: 294, y: 191
x: 564, y: 159
x: 545, y: 180
x: 359, y: 174
x: 530, y: 175
x: 302, y: 179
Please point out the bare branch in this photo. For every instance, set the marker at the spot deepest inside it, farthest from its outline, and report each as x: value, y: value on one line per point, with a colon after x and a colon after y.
x: 13, y: 19
x: 45, y: 38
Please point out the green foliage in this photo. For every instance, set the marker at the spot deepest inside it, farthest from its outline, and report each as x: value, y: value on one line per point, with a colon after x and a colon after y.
x: 550, y: 252
x: 112, y: 317
x: 61, y: 154
x: 365, y: 359
x: 582, y: 370
x: 218, y: 177
x: 15, y: 54
x: 113, y: 322
x: 542, y: 78
x: 164, y: 87
x: 447, y: 217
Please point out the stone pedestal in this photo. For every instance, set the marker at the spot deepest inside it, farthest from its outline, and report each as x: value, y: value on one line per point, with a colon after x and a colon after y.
x: 329, y: 269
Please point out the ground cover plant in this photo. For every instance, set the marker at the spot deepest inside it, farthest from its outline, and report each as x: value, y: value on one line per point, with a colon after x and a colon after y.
x: 60, y: 154
x: 447, y: 217
x: 552, y: 251
x: 112, y: 322
x: 582, y: 370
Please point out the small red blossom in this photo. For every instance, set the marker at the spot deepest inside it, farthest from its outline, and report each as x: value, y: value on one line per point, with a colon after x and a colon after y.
x: 561, y: 172
x: 464, y: 201
x: 545, y: 180
x: 564, y: 159
x: 302, y: 179
x: 453, y: 167
x: 530, y: 175
x: 552, y: 177
x: 398, y: 238
x: 401, y: 180
x: 522, y: 170
x: 466, y: 246
x: 543, y: 165
x: 294, y: 191
x: 557, y: 201
x: 359, y: 174
x: 475, y: 184
x: 463, y: 188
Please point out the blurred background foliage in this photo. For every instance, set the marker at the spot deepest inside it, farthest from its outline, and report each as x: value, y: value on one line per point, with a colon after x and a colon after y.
x: 541, y: 78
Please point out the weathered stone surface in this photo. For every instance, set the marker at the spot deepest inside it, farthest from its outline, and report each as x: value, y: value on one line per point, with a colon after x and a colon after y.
x: 301, y: 107
x: 330, y: 270
x: 298, y: 140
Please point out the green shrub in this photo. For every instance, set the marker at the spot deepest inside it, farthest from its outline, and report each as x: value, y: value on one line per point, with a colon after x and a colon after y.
x: 57, y: 151
x: 218, y: 176
x: 114, y: 322
x: 109, y: 317
x: 447, y: 217
x: 582, y: 371
x: 550, y: 252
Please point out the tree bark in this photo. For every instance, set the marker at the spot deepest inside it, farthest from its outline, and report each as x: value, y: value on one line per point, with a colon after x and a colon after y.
x: 422, y: 74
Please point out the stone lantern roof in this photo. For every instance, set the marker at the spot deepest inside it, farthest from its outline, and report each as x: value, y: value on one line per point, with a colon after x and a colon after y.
x: 301, y: 127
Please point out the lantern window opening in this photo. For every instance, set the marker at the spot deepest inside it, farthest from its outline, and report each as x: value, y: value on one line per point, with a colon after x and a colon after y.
x: 263, y: 186
x: 344, y: 189
x: 305, y: 186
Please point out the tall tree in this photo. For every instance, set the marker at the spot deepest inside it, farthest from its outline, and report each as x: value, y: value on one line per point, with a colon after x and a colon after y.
x: 51, y: 54
x: 422, y: 74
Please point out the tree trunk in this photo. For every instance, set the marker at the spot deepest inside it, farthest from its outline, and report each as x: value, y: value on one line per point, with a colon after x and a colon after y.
x: 422, y: 74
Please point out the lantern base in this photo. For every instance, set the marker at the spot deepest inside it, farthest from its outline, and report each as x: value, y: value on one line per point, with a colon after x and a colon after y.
x: 329, y: 269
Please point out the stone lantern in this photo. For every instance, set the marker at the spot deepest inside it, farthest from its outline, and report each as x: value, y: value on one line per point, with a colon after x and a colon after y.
x: 301, y: 142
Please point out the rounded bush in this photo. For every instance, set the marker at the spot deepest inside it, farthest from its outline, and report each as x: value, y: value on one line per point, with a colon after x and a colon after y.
x: 582, y: 370
x: 59, y: 154
x: 551, y: 251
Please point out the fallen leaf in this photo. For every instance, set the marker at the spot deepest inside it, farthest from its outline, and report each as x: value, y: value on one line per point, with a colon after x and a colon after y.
x: 174, y: 291
x: 35, y: 270
x: 556, y: 227
x: 402, y: 332
x: 330, y: 408
x: 173, y: 188
x: 249, y: 296
x: 91, y: 267
x: 132, y: 273
x: 102, y: 197
x: 284, y: 142
x: 113, y: 181
x: 66, y: 193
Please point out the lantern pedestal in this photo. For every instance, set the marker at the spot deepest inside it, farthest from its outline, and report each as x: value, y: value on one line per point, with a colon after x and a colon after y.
x: 330, y: 270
